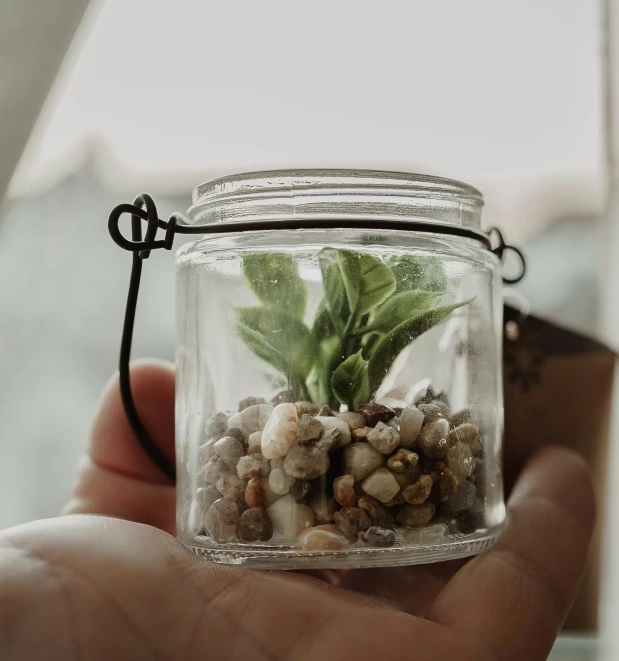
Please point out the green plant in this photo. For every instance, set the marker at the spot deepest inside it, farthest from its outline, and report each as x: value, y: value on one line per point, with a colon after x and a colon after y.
x: 370, y: 312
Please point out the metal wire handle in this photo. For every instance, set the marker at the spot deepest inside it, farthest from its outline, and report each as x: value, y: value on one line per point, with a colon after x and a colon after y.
x: 144, y: 209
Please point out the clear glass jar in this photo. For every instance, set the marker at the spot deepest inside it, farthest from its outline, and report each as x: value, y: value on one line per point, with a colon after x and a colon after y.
x: 339, y: 395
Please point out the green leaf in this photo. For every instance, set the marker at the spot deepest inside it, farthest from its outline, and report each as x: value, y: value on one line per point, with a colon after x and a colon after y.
x: 335, y: 295
x: 400, y: 307
x: 413, y: 272
x: 350, y: 382
x: 392, y: 344
x: 367, y: 281
x: 278, y: 338
x: 319, y: 381
x: 274, y: 278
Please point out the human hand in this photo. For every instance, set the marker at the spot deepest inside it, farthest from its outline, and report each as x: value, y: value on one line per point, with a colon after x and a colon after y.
x: 99, y: 588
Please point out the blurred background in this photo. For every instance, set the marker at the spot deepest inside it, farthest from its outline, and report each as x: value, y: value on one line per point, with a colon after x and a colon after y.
x: 102, y: 100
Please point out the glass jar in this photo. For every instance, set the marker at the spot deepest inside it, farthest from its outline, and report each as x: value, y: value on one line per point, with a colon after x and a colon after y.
x: 339, y: 395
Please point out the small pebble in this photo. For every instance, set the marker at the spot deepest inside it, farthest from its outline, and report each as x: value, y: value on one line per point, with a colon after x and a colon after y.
x: 432, y: 439
x: 360, y: 459
x: 280, y: 431
x: 323, y: 507
x: 284, y: 396
x: 277, y: 463
x: 381, y: 484
x: 461, y: 417
x: 254, y: 443
x: 431, y: 412
x: 306, y: 462
x: 220, y: 520
x: 306, y: 408
x: 251, y: 419
x: 352, y: 419
x: 463, y: 498
x: 259, y: 494
x: 444, y: 488
x: 230, y: 450
x: 410, y: 426
x: 352, y: 520
x: 279, y: 482
x: 301, y: 490
x: 410, y: 477
x: 429, y: 535
x: 418, y: 493
x: 384, y: 438
x: 254, y: 525
x: 217, y: 425
x: 344, y: 490
x: 250, y: 401
x: 415, y: 516
x: 290, y: 518
x: 398, y: 499
x: 402, y: 461
x: 375, y: 413
x: 361, y: 434
x: 469, y: 434
x: 309, y: 429
x: 336, y: 433
x: 236, y: 433
x: 378, y: 536
x: 213, y: 469
x: 443, y: 408
x: 378, y: 513
x: 253, y: 465
x: 231, y: 486
x: 460, y: 460
x: 325, y: 411
x: 326, y: 537
x: 206, y: 496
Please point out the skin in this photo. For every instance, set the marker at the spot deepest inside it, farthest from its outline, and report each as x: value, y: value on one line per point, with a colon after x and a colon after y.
x: 110, y: 582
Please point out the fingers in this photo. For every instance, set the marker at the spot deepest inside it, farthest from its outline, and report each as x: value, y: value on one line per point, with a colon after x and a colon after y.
x: 515, y: 598
x: 117, y: 478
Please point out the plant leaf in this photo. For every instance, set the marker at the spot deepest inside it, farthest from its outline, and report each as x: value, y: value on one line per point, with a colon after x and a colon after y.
x: 400, y: 307
x: 274, y: 278
x: 367, y: 281
x: 350, y: 382
x: 319, y: 381
x: 392, y: 344
x: 277, y: 337
x: 335, y: 295
x: 413, y: 272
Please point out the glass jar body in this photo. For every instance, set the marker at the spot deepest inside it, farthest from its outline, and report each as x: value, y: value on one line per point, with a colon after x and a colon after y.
x: 397, y: 336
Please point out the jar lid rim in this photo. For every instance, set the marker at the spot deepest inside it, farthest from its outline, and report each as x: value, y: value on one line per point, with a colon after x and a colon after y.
x: 329, y: 178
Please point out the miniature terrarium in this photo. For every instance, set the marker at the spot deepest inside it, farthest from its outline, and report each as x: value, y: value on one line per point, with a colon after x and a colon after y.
x: 339, y: 399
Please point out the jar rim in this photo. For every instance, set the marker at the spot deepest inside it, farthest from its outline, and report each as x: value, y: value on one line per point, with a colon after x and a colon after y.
x: 335, y: 193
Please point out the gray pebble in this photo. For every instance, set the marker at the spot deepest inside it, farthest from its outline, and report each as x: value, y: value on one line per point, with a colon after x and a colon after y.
x: 306, y: 462
x: 378, y: 536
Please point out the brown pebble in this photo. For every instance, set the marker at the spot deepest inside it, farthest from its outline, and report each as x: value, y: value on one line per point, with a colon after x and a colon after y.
x: 361, y: 434
x: 326, y: 537
x: 375, y: 413
x: 418, y: 493
x: 259, y: 494
x: 284, y: 396
x: 414, y: 516
x: 249, y: 401
x: 344, y: 490
x: 432, y: 440
x: 461, y: 417
x: 325, y: 411
x: 398, y: 499
x: 402, y: 460
x: 444, y: 488
x: 431, y: 412
x: 324, y: 507
x: 352, y: 520
x: 352, y: 419
x: 469, y: 434
x: 378, y: 513
x: 444, y: 408
x: 306, y: 408
x: 309, y: 429
x: 301, y: 490
x: 254, y: 525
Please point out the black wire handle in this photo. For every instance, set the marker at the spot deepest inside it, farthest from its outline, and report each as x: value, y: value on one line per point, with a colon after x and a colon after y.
x: 144, y: 209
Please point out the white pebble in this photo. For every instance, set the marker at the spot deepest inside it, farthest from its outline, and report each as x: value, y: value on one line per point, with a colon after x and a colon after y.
x: 280, y: 431
x: 280, y: 482
x: 290, y: 518
x: 360, y: 459
x: 335, y: 431
x: 383, y: 438
x: 230, y: 450
x: 220, y: 520
x: 428, y: 535
x: 255, y: 442
x: 252, y: 465
x: 231, y: 486
x: 213, y: 469
x: 251, y: 419
x: 381, y: 485
x: 410, y: 426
